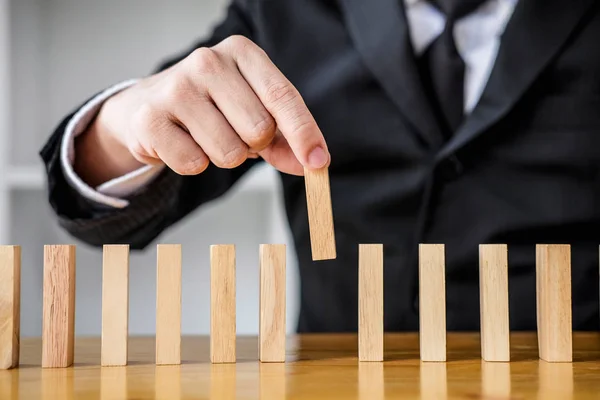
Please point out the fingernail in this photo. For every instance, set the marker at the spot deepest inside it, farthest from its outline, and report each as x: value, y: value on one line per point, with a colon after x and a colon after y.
x: 317, y: 158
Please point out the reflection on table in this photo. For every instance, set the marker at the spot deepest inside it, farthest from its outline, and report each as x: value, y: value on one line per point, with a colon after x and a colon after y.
x: 317, y: 367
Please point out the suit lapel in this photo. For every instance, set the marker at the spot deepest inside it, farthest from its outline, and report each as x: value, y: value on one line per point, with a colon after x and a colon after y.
x: 534, y: 35
x: 380, y: 32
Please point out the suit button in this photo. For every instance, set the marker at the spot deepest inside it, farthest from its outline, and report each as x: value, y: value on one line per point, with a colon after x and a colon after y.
x: 450, y: 169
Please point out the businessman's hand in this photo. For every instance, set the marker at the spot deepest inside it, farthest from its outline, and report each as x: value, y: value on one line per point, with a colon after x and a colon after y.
x: 222, y: 105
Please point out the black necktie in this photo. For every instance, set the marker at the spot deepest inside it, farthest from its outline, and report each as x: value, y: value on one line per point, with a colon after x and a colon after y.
x: 445, y: 69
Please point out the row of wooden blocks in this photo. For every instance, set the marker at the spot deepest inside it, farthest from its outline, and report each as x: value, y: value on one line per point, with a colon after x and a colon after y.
x: 553, y: 304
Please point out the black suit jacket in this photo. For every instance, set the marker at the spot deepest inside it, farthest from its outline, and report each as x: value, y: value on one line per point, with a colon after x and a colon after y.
x: 524, y: 168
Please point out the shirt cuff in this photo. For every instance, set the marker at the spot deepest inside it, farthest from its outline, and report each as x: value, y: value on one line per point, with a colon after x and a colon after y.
x: 110, y: 193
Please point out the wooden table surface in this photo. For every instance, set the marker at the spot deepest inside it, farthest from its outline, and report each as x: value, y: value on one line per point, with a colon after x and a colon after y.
x: 317, y: 367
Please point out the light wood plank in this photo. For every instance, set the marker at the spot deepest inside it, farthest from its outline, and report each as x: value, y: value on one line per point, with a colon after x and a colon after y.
x: 370, y: 299
x: 58, y: 323
x: 168, y: 304
x: 432, y: 302
x: 115, y: 304
x: 222, y: 304
x: 320, y: 214
x: 553, y: 285
x: 272, y: 303
x: 493, y: 297
x: 10, y: 305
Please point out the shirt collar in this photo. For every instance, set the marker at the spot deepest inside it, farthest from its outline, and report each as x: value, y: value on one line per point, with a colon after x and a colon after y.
x: 411, y: 3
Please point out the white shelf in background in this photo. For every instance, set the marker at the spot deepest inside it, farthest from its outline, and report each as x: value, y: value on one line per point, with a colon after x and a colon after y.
x: 25, y: 178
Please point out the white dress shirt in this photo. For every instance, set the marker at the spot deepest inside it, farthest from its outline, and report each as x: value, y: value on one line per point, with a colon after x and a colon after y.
x: 477, y: 38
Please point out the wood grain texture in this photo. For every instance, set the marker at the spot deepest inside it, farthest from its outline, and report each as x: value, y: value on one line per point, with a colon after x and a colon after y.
x: 168, y: 304
x: 370, y: 302
x: 493, y: 297
x: 58, y: 321
x: 432, y: 302
x: 553, y: 288
x: 272, y: 303
x: 319, y: 366
x: 222, y: 304
x: 10, y: 305
x: 115, y: 304
x: 320, y: 214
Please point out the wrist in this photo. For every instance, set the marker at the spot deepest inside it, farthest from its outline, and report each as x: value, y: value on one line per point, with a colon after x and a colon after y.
x: 101, y: 152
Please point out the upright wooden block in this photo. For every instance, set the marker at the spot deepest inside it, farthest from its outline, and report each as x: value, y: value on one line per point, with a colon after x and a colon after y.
x: 370, y: 300
x: 168, y: 304
x: 320, y: 214
x: 493, y: 297
x: 58, y: 323
x: 553, y: 285
x: 432, y: 302
x: 10, y: 300
x: 222, y: 304
x: 115, y: 304
x: 272, y: 303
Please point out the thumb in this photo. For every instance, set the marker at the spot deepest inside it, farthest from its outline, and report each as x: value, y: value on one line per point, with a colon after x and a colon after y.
x: 280, y: 155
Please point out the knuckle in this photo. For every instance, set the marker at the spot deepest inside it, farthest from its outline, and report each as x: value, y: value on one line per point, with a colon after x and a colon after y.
x: 232, y: 157
x: 205, y: 61
x: 177, y: 88
x: 302, y: 128
x: 146, y: 119
x: 237, y: 42
x: 280, y: 93
x: 261, y: 134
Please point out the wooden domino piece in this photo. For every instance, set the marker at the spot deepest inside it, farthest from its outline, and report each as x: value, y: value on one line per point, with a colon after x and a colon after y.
x: 272, y: 303
x: 222, y: 304
x: 432, y: 302
x: 58, y: 322
x: 320, y: 214
x: 553, y: 285
x: 10, y: 307
x: 370, y: 300
x: 115, y: 305
x: 168, y: 304
x: 493, y: 297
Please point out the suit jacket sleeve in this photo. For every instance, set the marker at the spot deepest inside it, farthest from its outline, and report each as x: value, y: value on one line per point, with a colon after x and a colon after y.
x: 166, y: 200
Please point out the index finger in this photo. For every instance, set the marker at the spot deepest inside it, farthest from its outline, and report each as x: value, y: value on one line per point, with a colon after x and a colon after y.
x: 284, y: 103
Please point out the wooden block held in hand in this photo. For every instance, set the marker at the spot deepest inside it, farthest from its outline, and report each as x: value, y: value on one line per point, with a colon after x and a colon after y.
x: 493, y: 296
x: 115, y: 304
x: 272, y: 303
x: 10, y: 305
x: 370, y: 300
x: 168, y: 304
x: 432, y: 302
x: 320, y: 214
x: 553, y: 285
x: 58, y: 324
x: 222, y: 304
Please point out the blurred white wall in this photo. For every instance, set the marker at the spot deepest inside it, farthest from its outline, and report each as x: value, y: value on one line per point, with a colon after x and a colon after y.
x: 64, y: 51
